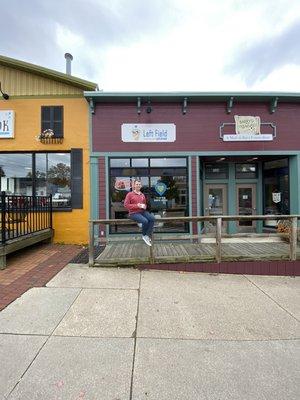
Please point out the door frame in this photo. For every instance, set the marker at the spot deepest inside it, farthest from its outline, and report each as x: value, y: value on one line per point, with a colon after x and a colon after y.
x: 253, y: 186
x: 224, y: 187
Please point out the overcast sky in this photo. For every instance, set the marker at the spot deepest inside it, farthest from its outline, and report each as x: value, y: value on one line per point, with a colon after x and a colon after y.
x: 160, y: 45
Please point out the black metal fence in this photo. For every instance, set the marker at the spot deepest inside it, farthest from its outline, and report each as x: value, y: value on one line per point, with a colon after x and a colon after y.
x: 23, y: 215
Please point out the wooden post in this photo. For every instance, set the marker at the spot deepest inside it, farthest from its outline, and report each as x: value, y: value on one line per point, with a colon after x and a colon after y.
x: 293, y: 239
x: 91, y: 246
x: 218, y: 239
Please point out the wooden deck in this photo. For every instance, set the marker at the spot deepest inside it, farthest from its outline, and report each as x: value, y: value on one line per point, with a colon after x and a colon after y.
x: 23, y: 241
x: 137, y: 253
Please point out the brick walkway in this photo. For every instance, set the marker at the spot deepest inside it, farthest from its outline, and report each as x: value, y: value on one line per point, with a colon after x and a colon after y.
x: 31, y: 267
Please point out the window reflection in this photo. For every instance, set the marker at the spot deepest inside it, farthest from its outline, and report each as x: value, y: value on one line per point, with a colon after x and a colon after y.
x: 16, y: 173
x: 52, y: 175
x: 167, y: 162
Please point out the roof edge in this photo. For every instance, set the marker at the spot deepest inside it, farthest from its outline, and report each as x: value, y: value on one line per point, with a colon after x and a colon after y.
x: 48, y: 73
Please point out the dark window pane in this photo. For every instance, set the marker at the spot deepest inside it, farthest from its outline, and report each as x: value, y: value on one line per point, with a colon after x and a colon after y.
x: 276, y: 164
x: 245, y: 171
x: 77, y: 178
x: 52, y: 118
x: 167, y: 171
x: 46, y: 114
x: 57, y: 113
x: 57, y: 129
x: 276, y: 189
x: 46, y: 125
x: 216, y: 171
x: 132, y: 172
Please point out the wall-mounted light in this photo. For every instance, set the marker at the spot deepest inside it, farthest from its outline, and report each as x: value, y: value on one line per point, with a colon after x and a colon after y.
x: 149, y: 108
x: 138, y: 106
x: 184, y: 106
x: 4, y: 95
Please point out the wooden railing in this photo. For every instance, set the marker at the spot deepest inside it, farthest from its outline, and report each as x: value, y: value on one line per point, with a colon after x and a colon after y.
x: 292, y: 234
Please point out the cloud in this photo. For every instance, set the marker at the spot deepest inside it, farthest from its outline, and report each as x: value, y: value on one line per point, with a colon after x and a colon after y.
x: 256, y: 61
x: 30, y: 29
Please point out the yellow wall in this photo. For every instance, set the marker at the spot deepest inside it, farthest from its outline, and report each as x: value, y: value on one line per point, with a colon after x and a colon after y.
x: 72, y: 226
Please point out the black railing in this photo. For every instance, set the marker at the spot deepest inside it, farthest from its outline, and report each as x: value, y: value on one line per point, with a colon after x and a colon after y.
x: 23, y: 215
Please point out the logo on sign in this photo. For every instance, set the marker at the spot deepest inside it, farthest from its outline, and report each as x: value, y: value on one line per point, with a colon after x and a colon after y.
x: 136, y: 133
x: 160, y: 188
x: 276, y: 197
x: 247, y: 125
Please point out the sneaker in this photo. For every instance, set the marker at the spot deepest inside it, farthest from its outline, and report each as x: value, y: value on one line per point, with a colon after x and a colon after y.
x: 147, y: 240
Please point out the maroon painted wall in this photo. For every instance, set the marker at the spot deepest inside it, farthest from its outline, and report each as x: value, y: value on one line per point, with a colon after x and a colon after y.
x: 284, y: 268
x: 102, y: 188
x: 198, y: 130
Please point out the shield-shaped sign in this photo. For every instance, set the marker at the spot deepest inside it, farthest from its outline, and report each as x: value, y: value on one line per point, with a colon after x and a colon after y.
x: 276, y: 197
x: 160, y: 188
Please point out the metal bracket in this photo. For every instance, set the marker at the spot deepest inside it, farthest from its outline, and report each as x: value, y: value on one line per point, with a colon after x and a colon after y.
x: 92, y: 106
x: 230, y: 104
x: 224, y: 124
x: 273, y: 104
x: 184, y: 106
x: 138, y: 105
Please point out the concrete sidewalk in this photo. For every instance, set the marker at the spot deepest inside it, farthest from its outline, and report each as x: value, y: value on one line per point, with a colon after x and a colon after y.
x: 109, y: 334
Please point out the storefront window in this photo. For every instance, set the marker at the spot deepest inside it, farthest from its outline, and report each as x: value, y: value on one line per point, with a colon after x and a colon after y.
x: 167, y: 162
x: 51, y: 175
x: 216, y: 171
x: 139, y: 162
x: 164, y: 187
x: 119, y: 162
x: 245, y: 171
x: 16, y: 173
x: 276, y: 188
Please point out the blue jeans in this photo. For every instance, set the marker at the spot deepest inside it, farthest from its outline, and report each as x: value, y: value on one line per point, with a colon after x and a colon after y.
x: 146, y: 219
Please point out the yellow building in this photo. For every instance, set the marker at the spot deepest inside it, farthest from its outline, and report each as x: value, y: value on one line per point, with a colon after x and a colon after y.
x: 44, y: 142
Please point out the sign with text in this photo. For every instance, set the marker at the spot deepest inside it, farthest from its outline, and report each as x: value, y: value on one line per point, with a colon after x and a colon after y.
x: 247, y: 129
x: 148, y: 133
x: 247, y: 125
x: 7, y: 119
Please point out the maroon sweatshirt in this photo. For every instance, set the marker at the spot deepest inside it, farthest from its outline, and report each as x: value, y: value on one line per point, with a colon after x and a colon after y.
x: 131, y: 201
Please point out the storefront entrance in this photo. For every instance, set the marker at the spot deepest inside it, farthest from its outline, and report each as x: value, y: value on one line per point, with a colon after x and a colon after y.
x: 246, y: 205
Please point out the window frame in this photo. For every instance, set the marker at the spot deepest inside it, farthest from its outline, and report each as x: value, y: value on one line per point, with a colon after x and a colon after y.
x: 149, y: 175
x: 52, y: 121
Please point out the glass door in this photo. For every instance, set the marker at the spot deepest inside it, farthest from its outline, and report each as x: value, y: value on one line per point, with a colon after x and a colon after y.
x: 246, y: 205
x: 215, y: 203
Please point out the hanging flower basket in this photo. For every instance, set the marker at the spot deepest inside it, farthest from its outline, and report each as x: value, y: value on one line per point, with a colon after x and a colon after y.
x: 47, y: 137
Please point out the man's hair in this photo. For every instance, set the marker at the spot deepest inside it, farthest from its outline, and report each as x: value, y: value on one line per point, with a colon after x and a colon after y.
x: 136, y: 180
